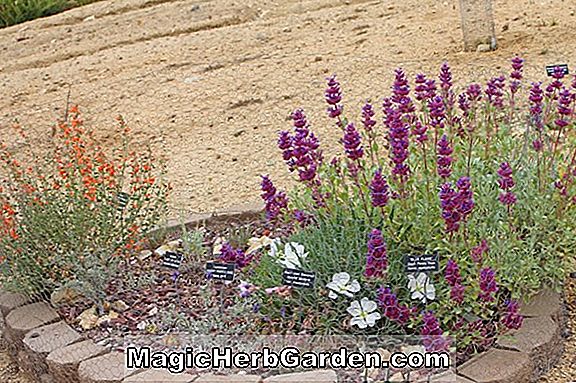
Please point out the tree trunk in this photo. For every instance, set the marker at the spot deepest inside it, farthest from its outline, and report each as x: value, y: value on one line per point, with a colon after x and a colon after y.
x: 478, y: 25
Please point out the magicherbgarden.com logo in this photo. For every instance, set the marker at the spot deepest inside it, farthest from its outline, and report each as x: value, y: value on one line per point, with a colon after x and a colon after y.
x: 289, y: 358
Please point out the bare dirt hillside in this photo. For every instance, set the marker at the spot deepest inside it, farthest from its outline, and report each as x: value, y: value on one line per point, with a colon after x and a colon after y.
x: 210, y: 83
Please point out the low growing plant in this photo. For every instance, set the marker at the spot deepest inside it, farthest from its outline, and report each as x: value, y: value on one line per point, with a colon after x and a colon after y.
x: 479, y: 177
x: 70, y: 216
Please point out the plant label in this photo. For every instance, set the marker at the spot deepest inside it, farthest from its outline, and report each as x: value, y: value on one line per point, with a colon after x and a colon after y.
x: 172, y: 259
x: 421, y: 264
x: 220, y: 271
x: 298, y: 278
x: 550, y: 69
x: 123, y: 199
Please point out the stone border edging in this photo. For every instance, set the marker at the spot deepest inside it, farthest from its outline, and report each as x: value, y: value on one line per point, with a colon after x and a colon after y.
x: 49, y: 350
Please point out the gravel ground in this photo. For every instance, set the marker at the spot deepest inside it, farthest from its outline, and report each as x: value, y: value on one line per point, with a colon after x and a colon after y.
x: 9, y: 372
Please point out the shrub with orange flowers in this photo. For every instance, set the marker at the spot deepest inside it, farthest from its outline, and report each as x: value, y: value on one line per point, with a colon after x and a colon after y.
x: 68, y: 217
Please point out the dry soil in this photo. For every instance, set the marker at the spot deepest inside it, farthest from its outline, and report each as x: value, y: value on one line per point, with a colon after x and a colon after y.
x: 209, y: 83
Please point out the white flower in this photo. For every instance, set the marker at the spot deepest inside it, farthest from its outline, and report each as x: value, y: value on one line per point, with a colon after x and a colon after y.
x: 363, y: 313
x: 256, y: 243
x: 421, y: 287
x: 274, y: 247
x: 293, y: 254
x: 341, y: 285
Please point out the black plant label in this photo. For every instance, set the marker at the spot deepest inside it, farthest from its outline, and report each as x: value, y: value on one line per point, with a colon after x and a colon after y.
x: 123, y: 199
x: 298, y: 278
x: 551, y: 68
x: 220, y: 271
x: 172, y: 259
x: 421, y: 263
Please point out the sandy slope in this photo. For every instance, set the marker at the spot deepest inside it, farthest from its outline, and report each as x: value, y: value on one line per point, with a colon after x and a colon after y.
x: 210, y: 83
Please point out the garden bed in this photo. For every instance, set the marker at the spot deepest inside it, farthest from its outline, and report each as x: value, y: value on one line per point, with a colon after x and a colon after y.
x: 521, y: 356
x: 426, y: 235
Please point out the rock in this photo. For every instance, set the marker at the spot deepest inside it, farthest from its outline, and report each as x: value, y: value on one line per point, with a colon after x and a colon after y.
x: 539, y: 337
x: 262, y: 37
x: 158, y: 376
x: 64, y: 295
x: 63, y: 362
x: 545, y: 303
x: 89, y: 18
x: 170, y: 246
x: 176, y: 243
x: 498, y: 366
x: 192, y: 79
x: 26, y: 318
x: 88, y: 318
x: 39, y: 342
x: 107, y: 368
x: 46, y: 339
x: 445, y: 377
x: 144, y: 255
x: 107, y: 318
x: 320, y: 376
x: 9, y: 301
x: 210, y: 378
x: 483, y: 48
x: 120, y: 305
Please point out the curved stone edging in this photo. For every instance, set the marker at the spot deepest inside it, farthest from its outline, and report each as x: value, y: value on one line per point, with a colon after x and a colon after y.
x: 50, y: 351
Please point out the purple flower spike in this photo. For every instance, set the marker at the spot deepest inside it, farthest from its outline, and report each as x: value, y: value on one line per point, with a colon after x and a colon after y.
x: 564, y: 110
x: 391, y: 308
x: 303, y: 218
x: 449, y: 206
x: 494, y: 91
x: 445, y: 77
x: 512, y: 318
x: 275, y: 202
x: 301, y: 151
x: 230, y: 255
x: 400, y: 92
x: 463, y: 103
x: 457, y: 293
x: 379, y: 190
x: 478, y: 251
x: 536, y: 97
x: 419, y: 130
x: 437, y: 112
x: 421, y: 89
x: 464, y: 197
x: 506, y: 183
x: 444, y: 162
x: 398, y: 138
x: 367, y: 117
x: 433, y: 340
x: 376, y: 259
x: 333, y: 96
x: 488, y: 285
x: 452, y: 273
x: 446, y: 86
x: 353, y: 143
x: 516, y: 75
x: 456, y: 205
x: 474, y: 92
x: 558, y: 73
